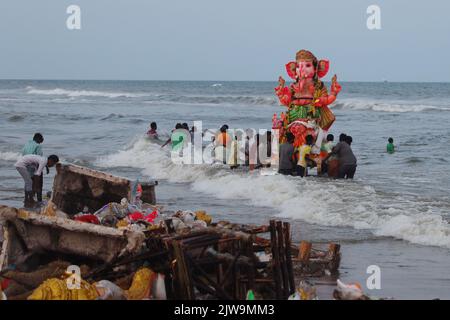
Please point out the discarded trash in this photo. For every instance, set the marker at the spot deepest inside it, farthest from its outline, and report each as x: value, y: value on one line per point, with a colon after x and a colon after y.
x: 135, y: 250
x: 159, y: 288
x: 349, y: 291
x: 202, y: 215
x: 57, y: 289
x: 109, y: 291
x: 305, y: 291
x: 141, y: 286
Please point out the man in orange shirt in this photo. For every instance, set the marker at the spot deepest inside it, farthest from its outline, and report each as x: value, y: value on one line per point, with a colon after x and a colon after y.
x: 224, y: 139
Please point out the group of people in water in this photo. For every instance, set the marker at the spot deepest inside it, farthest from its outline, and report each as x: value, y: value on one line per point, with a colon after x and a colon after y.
x: 296, y: 161
x: 336, y: 160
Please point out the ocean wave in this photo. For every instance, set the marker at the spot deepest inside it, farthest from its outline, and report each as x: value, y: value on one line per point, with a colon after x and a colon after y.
x: 83, y: 93
x: 329, y: 203
x: 221, y: 100
x: 113, y: 116
x: 153, y: 98
x: 16, y: 118
x: 413, y: 160
x: 9, y: 156
x: 384, y: 106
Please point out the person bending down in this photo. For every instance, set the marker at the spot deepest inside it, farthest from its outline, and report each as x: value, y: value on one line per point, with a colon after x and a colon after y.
x: 34, y: 147
x: 347, y: 160
x: 35, y: 164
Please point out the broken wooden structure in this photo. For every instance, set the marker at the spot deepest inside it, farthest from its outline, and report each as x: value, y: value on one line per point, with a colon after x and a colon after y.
x: 219, y: 261
x: 75, y: 187
x: 28, y: 233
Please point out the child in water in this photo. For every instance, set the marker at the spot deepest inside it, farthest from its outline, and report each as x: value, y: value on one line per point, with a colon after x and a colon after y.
x: 304, y: 151
x: 152, y: 133
x: 390, y: 148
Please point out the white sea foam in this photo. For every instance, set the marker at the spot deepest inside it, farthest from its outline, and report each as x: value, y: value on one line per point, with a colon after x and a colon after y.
x: 330, y: 203
x: 82, y: 93
x: 9, y: 156
x: 386, y: 106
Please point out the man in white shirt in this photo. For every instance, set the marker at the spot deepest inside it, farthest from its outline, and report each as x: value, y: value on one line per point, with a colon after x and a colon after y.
x: 33, y: 163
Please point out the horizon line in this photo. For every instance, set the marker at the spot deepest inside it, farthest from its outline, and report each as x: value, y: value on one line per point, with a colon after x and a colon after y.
x: 185, y: 80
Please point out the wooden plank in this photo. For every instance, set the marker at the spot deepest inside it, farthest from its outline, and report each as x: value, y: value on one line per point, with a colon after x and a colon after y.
x: 183, y: 279
x: 282, y: 257
x: 5, y: 247
x: 305, y: 251
x: 275, y: 260
x: 222, y: 294
x: 333, y: 251
x: 287, y: 241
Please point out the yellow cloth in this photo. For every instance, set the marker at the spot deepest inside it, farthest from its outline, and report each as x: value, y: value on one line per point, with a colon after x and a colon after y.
x: 141, y: 286
x: 303, y: 150
x: 122, y: 223
x: 56, y: 289
x: 202, y: 215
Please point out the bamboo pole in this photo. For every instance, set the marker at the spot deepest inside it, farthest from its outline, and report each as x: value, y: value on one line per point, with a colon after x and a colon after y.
x: 287, y: 241
x: 284, y: 270
x: 275, y: 260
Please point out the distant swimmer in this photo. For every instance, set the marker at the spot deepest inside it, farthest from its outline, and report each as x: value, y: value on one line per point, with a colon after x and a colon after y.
x: 152, y: 132
x: 34, y: 147
x: 390, y: 148
x: 34, y: 164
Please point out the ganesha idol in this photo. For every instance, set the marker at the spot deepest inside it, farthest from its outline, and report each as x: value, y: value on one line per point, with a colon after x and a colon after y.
x: 306, y: 99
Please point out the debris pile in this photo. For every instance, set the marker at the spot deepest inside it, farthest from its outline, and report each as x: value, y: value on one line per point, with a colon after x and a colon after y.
x: 130, y: 249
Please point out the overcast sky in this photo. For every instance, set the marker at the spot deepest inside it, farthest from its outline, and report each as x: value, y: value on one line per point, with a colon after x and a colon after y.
x: 223, y: 40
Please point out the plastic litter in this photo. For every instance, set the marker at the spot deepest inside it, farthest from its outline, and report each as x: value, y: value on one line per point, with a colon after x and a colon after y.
x: 109, y: 291
x: 159, y: 288
x: 352, y: 291
x: 202, y: 215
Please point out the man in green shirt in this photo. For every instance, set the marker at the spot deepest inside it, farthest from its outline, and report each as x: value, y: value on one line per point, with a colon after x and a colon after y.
x: 34, y: 147
x: 390, y: 146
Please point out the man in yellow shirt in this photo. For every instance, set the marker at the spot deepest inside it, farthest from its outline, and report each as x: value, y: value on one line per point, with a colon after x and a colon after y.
x: 304, y: 151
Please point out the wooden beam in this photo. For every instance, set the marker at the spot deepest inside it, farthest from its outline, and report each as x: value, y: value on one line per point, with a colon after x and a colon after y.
x: 275, y: 260
x: 287, y: 241
x: 183, y: 279
x: 282, y: 257
x: 305, y: 251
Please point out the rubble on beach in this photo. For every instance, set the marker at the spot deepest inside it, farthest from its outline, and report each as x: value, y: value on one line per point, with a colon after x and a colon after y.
x: 128, y: 248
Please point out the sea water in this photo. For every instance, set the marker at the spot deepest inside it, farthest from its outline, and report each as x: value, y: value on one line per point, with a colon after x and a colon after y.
x: 394, y: 214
